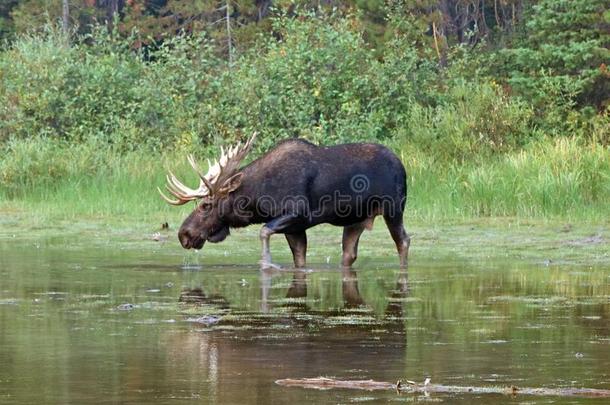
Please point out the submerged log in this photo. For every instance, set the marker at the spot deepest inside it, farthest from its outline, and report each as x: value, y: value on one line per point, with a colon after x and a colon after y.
x: 323, y: 383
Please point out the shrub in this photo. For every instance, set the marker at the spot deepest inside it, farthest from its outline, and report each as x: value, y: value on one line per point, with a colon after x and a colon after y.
x: 472, y: 119
x: 100, y: 87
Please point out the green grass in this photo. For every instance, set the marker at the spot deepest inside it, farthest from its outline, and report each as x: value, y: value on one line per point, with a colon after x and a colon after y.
x: 564, y: 179
x: 560, y: 179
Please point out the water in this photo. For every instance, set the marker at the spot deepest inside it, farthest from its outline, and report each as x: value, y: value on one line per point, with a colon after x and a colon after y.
x: 106, y: 320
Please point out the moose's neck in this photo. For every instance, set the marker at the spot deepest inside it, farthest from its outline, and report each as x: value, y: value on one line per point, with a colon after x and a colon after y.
x: 238, y: 210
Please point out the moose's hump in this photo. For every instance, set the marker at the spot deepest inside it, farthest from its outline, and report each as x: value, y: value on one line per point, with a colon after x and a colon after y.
x: 293, y: 144
x: 289, y: 150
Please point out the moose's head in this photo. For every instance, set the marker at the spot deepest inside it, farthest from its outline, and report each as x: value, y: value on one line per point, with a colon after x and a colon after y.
x: 207, y: 222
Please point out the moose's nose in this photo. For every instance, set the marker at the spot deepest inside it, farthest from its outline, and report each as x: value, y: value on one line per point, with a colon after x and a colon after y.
x: 191, y: 239
x: 184, y: 238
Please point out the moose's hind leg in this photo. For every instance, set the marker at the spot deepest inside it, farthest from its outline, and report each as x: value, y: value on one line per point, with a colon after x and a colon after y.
x: 298, y: 246
x: 351, y: 237
x: 400, y: 236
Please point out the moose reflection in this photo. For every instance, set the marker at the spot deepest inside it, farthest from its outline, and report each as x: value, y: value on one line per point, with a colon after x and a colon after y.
x: 349, y: 286
x: 283, y: 329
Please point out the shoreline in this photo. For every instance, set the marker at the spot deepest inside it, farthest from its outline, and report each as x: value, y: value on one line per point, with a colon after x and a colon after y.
x: 547, y: 242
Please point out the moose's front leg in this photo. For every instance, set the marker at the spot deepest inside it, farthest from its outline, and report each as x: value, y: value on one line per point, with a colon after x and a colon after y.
x: 277, y: 225
x: 265, y: 262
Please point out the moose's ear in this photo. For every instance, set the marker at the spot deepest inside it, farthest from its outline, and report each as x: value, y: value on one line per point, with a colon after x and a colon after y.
x: 231, y: 184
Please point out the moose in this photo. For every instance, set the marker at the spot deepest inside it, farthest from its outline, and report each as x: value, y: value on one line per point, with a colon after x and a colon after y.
x: 291, y: 188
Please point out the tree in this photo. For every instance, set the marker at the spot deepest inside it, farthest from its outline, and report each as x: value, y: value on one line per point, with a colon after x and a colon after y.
x: 437, y: 25
x: 65, y: 17
x: 6, y: 22
x: 28, y: 15
x: 565, y: 51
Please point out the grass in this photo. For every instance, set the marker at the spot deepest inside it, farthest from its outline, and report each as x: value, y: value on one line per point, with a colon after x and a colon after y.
x: 560, y: 180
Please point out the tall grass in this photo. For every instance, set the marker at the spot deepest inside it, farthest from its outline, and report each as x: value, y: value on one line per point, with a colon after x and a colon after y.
x: 49, y: 179
x: 561, y: 178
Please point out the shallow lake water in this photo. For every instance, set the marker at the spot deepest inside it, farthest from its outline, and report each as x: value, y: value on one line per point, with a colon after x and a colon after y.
x: 90, y: 320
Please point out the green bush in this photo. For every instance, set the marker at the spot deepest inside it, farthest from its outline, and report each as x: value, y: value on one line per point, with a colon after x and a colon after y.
x: 472, y: 119
x: 100, y: 87
x: 320, y: 81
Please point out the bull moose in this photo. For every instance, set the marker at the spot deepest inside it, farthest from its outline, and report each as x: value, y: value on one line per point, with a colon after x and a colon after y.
x: 291, y: 188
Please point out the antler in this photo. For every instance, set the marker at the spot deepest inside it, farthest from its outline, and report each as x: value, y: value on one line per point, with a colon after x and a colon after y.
x: 229, y: 163
x: 210, y: 183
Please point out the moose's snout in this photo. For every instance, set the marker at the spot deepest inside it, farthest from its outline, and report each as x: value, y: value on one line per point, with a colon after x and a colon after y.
x: 189, y: 239
x: 184, y: 240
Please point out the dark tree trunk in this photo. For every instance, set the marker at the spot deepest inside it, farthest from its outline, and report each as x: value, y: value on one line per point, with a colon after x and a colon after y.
x: 65, y: 17
x: 113, y: 7
x: 263, y: 8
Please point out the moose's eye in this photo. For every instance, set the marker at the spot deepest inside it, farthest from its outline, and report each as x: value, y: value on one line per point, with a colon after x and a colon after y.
x: 205, y: 206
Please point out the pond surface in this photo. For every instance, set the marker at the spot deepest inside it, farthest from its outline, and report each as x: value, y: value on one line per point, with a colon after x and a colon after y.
x: 102, y: 321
